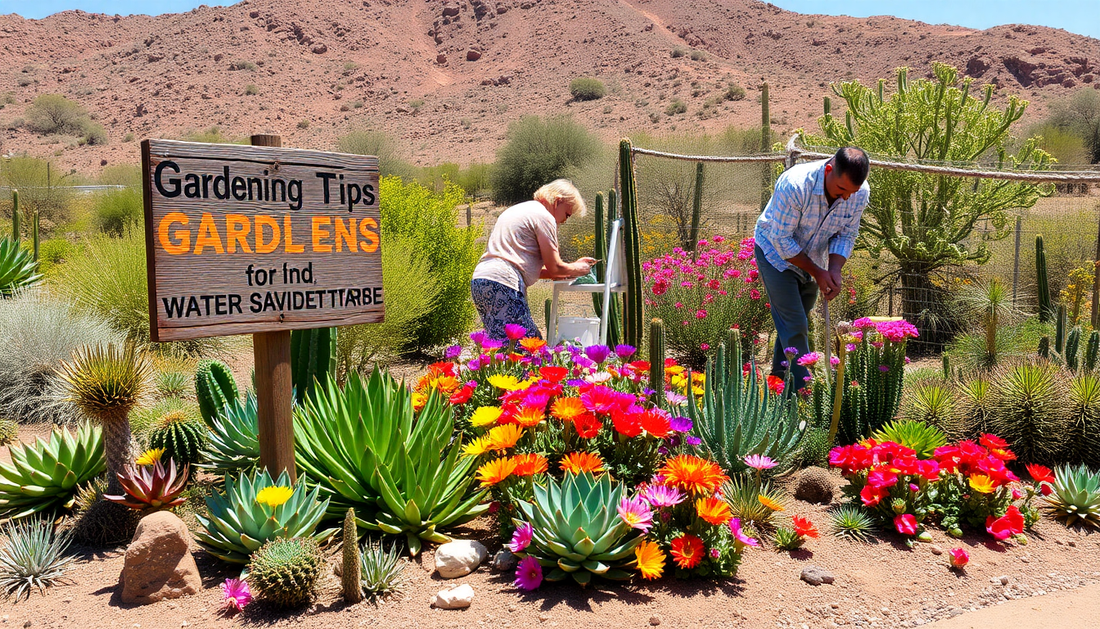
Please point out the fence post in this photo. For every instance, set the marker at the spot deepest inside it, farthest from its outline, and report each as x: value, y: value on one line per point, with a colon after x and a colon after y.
x: 792, y: 152
x: 1016, y: 262
x: 696, y: 210
x: 765, y: 141
x: 469, y: 214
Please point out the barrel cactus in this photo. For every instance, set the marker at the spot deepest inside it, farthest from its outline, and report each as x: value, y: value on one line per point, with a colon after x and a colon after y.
x: 181, y: 435
x: 214, y: 387
x: 286, y: 572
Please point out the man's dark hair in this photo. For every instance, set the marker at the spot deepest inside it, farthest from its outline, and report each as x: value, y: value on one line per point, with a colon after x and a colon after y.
x: 852, y: 161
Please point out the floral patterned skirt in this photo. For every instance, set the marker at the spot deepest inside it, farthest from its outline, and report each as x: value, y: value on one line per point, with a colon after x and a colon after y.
x: 499, y: 305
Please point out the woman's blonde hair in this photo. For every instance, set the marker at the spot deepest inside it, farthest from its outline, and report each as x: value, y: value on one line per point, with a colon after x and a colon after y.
x: 562, y: 189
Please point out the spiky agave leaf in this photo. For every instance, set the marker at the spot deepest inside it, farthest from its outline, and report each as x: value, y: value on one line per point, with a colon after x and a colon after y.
x: 975, y: 407
x: 151, y: 487
x: 1084, y: 395
x: 852, y: 522
x: 33, y: 557
x: 17, y: 267
x: 106, y: 382
x: 934, y: 404
x: 1031, y: 411
x: 381, y: 568
x: 233, y: 443
x: 919, y: 436
x: 744, y: 498
x: 1075, y: 496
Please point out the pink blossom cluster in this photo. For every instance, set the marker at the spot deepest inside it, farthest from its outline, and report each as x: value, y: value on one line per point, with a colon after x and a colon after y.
x: 893, y: 331
x: 715, y: 270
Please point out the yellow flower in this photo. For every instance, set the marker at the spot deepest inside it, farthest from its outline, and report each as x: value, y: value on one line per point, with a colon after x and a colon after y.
x: 532, y: 345
x: 650, y: 559
x: 477, y: 447
x: 274, y: 496
x: 149, y: 457
x: 769, y: 503
x: 504, y: 381
x: 419, y: 400
x: 485, y: 416
x: 494, y: 471
x: 982, y: 483
x: 504, y: 437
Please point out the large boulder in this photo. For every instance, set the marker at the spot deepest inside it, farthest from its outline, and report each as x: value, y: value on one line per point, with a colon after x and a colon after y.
x: 459, y: 558
x: 159, y: 564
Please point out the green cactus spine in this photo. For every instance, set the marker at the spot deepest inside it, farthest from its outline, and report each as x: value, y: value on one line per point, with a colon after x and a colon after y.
x: 1073, y: 340
x: 1060, y: 330
x: 181, y: 437
x: 657, y: 361
x: 632, y: 311
x: 696, y: 210
x: 312, y: 358
x: 1042, y: 282
x: 351, y: 576
x: 214, y: 388
x: 285, y: 571
x: 1044, y: 347
x: 1092, y: 349
x: 15, y: 232
x: 600, y: 253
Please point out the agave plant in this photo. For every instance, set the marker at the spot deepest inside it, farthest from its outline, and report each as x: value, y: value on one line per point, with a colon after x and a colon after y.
x: 852, y: 522
x: 17, y: 267
x: 233, y: 444
x: 362, y: 446
x: 381, y: 569
x: 256, y: 509
x: 1084, y: 395
x: 933, y: 403
x: 1031, y: 411
x: 34, y: 557
x: 46, y: 475
x: 577, y: 530
x: 751, y: 502
x: 741, y: 416
x: 919, y: 436
x: 151, y: 487
x: 1075, y: 496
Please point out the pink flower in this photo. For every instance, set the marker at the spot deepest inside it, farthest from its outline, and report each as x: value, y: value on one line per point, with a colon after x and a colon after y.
x: 739, y: 535
x: 528, y: 574
x: 959, y: 557
x: 514, y: 332
x: 754, y: 294
x: 704, y: 346
x: 521, y: 538
x: 834, y: 361
x: 635, y: 512
x: 659, y: 496
x: 809, y: 360
x: 700, y: 314
x: 1004, y: 527
x: 237, y: 595
x: 759, y: 462
x: 905, y: 523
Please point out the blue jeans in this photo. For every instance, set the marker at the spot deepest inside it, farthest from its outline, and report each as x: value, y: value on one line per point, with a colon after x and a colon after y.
x: 792, y: 296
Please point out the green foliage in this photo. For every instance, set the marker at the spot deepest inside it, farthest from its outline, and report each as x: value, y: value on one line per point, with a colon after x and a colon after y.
x: 237, y: 524
x: 251, y: 89
x: 787, y: 539
x: 677, y: 106
x: 233, y: 443
x: 43, y: 188
x: 917, y: 435
x: 381, y: 569
x: 215, y: 387
x: 44, y: 477
x: 1076, y: 496
x: 287, y: 572
x: 852, y: 522
x: 17, y: 268
x: 1084, y: 441
x: 242, y: 65
x: 537, y: 152
x: 118, y: 211
x: 742, y: 493
x: 587, y: 88
x: 53, y: 113
x: 657, y: 360
x: 312, y: 358
x: 182, y: 434
x: 382, y: 146
x: 34, y: 557
x: 105, y: 524
x: 577, y: 532
x: 212, y: 135
x: 9, y: 431
x: 1079, y: 117
x: 303, y: 124
x: 362, y: 446
x: 144, y: 420
x: 633, y: 334
x: 932, y: 403
x: 975, y: 407
x: 172, y: 384
x: 430, y: 221
x: 1030, y: 411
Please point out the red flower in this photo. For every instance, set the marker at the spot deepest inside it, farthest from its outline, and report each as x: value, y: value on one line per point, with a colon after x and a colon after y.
x: 905, y: 523
x: 775, y: 383
x: 627, y: 424
x: 881, y: 478
x: 442, y: 368
x: 587, y: 425
x: 804, y: 527
x: 462, y: 395
x: 871, y: 495
x: 552, y: 373
x: 687, y: 551
x: 1004, y: 527
x: 655, y: 423
x: 1040, y: 473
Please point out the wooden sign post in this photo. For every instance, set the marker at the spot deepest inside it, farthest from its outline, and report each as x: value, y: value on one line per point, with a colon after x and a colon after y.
x: 262, y: 240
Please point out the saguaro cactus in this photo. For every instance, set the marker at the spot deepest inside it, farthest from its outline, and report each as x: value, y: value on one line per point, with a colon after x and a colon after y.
x: 1045, y: 309
x: 1060, y: 330
x: 657, y: 361
x: 601, y: 252
x: 1092, y: 349
x: 351, y: 578
x: 15, y: 216
x: 1073, y: 341
x: 632, y: 315
x: 312, y: 357
x: 214, y: 388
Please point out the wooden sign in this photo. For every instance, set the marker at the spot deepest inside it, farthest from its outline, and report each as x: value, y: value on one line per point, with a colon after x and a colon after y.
x: 246, y: 239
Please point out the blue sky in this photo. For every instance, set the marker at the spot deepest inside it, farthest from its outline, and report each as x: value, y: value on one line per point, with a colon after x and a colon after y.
x: 1076, y: 16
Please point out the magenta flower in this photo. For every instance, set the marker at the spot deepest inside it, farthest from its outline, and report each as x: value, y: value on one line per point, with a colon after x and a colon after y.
x: 237, y: 595
x: 625, y: 351
x: 598, y: 353
x: 514, y: 331
x: 834, y: 361
x: 959, y: 557
x: 521, y: 538
x: 905, y: 523
x: 660, y: 496
x: 759, y: 462
x: 739, y: 535
x: 478, y: 337
x: 635, y: 512
x: 701, y: 314
x: 528, y: 574
x: 681, y: 424
x: 453, y: 352
x: 809, y: 360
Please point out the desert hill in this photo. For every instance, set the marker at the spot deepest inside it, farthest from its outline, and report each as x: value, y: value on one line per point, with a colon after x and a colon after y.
x: 446, y: 78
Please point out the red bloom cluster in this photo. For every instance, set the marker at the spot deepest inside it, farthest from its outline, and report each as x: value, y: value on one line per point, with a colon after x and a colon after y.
x: 1004, y: 527
x: 985, y: 460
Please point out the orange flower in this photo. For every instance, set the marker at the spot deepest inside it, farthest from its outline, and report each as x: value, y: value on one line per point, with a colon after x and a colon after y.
x: 579, y: 462
x: 494, y: 471
x: 713, y: 510
x: 532, y: 345
x: 804, y: 527
x: 982, y: 483
x: 504, y: 437
x: 567, y: 408
x: 419, y: 400
x: 693, y: 474
x: 769, y: 503
x: 529, y: 416
x: 650, y: 559
x: 530, y: 464
x: 687, y: 551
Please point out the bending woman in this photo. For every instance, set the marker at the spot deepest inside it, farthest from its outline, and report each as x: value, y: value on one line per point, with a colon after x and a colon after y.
x: 523, y: 248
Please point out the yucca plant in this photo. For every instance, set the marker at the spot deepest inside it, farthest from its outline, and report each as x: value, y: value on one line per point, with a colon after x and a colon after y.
x: 153, y: 487
x: 381, y: 569
x: 172, y: 384
x: 852, y: 522
x: 751, y: 502
x: 106, y: 383
x: 233, y: 443
x: 286, y: 572
x: 33, y: 557
x: 991, y: 302
x: 1084, y: 397
x: 1075, y: 496
x: 933, y: 402
x: 1031, y: 411
x: 740, y: 415
x: 402, y: 474
x: 787, y: 538
x: 256, y: 509
x: 975, y: 407
x: 576, y: 530
x: 17, y: 267
x: 45, y: 476
x: 919, y: 436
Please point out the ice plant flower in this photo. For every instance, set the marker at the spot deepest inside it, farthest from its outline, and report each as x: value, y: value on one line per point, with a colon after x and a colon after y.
x: 149, y: 457
x: 504, y: 437
x: 580, y: 462
x: 597, y: 353
x: 692, y: 474
x: 567, y: 408
x: 681, y: 424
x: 769, y: 503
x: 687, y: 551
x: 1004, y: 527
x: 660, y: 496
x: 714, y: 510
x: 529, y: 416
x: 739, y: 535
x: 274, y: 496
x: 504, y: 381
x: 959, y: 557
x: 624, y: 351
x: 530, y: 464
x: 237, y: 595
x: 905, y: 523
x: 775, y: 383
x: 809, y: 360
x: 521, y: 537
x: 492, y: 472
x: 587, y: 426
x: 528, y: 574
x: 514, y: 331
x: 635, y: 512
x: 759, y: 462
x: 477, y: 447
x: 982, y: 483
x: 804, y: 527
x: 1040, y: 473
x: 532, y: 345
x: 650, y: 559
x: 485, y: 416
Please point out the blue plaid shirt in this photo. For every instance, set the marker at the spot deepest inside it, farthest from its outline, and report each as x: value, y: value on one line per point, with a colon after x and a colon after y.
x: 798, y: 219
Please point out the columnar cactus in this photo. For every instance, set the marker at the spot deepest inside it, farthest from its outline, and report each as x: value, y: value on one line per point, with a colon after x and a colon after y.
x: 1073, y: 340
x: 632, y: 315
x: 657, y: 360
x: 1092, y: 349
x: 696, y: 210
x: 1045, y: 309
x: 1044, y: 347
x: 312, y: 358
x: 614, y: 316
x: 946, y: 367
x: 1060, y: 330
x: 214, y: 388
x: 600, y: 253
x: 351, y: 575
x: 15, y: 216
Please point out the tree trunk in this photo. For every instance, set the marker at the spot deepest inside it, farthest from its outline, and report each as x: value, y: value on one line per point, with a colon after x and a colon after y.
x: 116, y: 445
x: 926, y: 306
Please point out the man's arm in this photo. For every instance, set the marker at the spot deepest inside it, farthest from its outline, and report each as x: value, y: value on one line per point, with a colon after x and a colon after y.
x: 830, y: 284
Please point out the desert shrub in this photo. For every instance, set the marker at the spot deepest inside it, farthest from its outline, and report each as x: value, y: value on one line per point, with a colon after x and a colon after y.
x: 303, y: 124
x: 94, y: 134
x: 251, y: 90
x: 1031, y: 411
x: 212, y: 135
x: 382, y: 146
x: 129, y: 137
x: 698, y: 55
x: 242, y: 65
x: 116, y: 211
x: 121, y: 175
x: 34, y: 557
x: 51, y: 253
x: 538, y: 152
x: 677, y: 106
x: 410, y: 291
x: 53, y: 113
x: 42, y: 186
x: 587, y: 88
x: 429, y: 220
x: 678, y: 52
x: 37, y: 332
x: 734, y: 92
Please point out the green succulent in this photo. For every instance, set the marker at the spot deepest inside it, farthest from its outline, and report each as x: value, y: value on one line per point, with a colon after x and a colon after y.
x: 933, y: 403
x: 577, y: 531
x: 852, y: 522
x: 17, y: 267
x: 743, y: 496
x: 1084, y: 395
x: 975, y: 407
x: 33, y: 557
x: 286, y: 571
x: 740, y: 416
x: 45, y: 476
x: 1031, y: 411
x: 1075, y: 496
x: 787, y: 538
x: 172, y: 383
x: 181, y: 434
x: 381, y: 569
x: 919, y: 436
x: 238, y: 523
x: 400, y: 471
x: 233, y: 443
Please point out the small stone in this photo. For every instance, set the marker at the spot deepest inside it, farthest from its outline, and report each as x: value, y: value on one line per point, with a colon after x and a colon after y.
x: 834, y: 605
x: 459, y: 558
x: 66, y: 600
x: 816, y: 576
x: 654, y: 621
x: 503, y: 560
x: 1004, y: 580
x: 473, y: 54
x: 1071, y: 544
x: 441, y: 58
x: 456, y: 598
x: 936, y: 550
x: 543, y: 617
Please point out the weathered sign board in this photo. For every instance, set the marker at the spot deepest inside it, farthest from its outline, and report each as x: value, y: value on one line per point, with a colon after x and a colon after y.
x: 251, y: 239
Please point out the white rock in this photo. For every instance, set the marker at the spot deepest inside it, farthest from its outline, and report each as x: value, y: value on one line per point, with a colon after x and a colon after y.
x: 457, y: 598
x: 459, y: 558
x: 503, y: 560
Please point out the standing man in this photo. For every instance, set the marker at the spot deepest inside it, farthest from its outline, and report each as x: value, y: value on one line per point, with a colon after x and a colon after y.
x: 803, y: 238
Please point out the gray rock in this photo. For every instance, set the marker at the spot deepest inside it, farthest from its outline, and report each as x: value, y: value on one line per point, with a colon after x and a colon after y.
x: 503, y: 560
x: 459, y: 558
x: 456, y: 598
x: 936, y: 550
x: 816, y: 576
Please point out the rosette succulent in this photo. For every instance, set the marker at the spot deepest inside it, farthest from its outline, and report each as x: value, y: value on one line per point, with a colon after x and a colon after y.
x: 233, y: 443
x: 46, y: 475
x: 1075, y: 496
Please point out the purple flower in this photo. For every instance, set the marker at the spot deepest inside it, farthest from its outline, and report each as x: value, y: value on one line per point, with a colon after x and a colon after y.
x: 884, y: 368
x: 660, y: 496
x: 514, y: 331
x: 791, y: 351
x: 624, y: 351
x: 834, y: 360
x: 759, y: 462
x: 906, y: 360
x: 575, y: 383
x: 521, y: 538
x: 237, y: 594
x: 583, y: 362
x: 598, y: 353
x: 681, y: 424
x: 479, y: 337
x: 648, y: 392
x: 453, y: 352
x: 474, y: 364
x: 739, y: 535
x: 528, y: 574
x: 635, y: 512
x: 692, y: 441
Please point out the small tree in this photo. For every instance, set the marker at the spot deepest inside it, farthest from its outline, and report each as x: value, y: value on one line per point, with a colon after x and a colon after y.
x: 537, y: 153
x: 53, y: 113
x: 922, y: 220
x: 1080, y: 115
